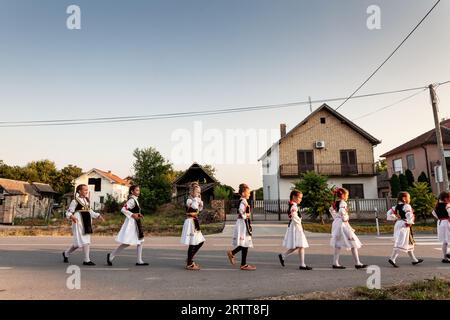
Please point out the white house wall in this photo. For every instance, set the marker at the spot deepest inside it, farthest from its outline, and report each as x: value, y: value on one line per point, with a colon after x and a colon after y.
x: 369, y: 183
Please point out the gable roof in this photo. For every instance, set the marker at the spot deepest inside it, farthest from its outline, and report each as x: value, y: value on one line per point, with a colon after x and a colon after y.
x: 374, y: 141
x: 428, y: 137
x: 15, y: 187
x: 193, y: 173
x: 110, y: 176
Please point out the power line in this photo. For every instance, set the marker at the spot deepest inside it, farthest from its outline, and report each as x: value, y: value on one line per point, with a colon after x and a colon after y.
x: 62, y: 122
x: 389, y: 57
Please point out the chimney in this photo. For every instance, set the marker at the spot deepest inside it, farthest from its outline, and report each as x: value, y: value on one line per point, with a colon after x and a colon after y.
x: 282, y: 130
x: 109, y: 171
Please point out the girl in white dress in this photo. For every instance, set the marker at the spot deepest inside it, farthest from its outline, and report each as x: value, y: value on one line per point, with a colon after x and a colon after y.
x: 191, y: 234
x: 295, y: 238
x: 242, y: 234
x: 342, y: 234
x: 80, y: 213
x: 442, y: 214
x: 131, y: 232
x: 403, y: 214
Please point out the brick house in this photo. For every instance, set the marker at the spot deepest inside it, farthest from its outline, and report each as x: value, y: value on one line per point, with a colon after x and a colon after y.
x: 420, y: 155
x: 325, y: 142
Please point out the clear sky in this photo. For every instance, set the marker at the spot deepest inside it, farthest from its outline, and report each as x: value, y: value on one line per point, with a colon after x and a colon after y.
x: 149, y: 57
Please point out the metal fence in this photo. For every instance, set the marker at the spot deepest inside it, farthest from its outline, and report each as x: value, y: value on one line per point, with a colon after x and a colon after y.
x: 276, y: 210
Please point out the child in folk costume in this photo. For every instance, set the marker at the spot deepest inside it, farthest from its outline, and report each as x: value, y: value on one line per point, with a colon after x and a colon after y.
x: 403, y: 214
x: 342, y: 234
x: 132, y: 232
x: 242, y: 234
x: 442, y: 214
x: 80, y: 213
x: 191, y: 234
x: 294, y: 238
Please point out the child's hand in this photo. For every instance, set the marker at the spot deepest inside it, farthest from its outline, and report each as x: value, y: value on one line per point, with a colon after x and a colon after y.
x: 74, y: 219
x: 101, y: 218
x: 135, y: 216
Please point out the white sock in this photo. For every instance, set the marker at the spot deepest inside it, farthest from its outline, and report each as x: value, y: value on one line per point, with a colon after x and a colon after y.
x: 337, y: 252
x: 412, y: 256
x: 139, y: 254
x: 444, y: 249
x: 356, y: 256
x: 70, y: 250
x: 301, y: 254
x: 287, y: 253
x: 117, y: 251
x: 86, y: 250
x: 394, y: 255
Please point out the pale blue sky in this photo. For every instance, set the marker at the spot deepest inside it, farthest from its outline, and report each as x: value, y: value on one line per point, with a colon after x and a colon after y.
x: 148, y: 57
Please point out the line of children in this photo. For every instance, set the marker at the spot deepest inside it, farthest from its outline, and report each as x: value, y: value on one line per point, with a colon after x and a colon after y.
x: 442, y: 214
x: 131, y: 232
x: 242, y: 233
x: 404, y: 241
x: 295, y: 238
x: 81, y: 214
x: 342, y: 234
x: 191, y: 234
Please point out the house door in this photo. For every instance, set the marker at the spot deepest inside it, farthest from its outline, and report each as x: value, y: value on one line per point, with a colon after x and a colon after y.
x: 2, y: 209
x: 348, y: 162
x: 305, y: 160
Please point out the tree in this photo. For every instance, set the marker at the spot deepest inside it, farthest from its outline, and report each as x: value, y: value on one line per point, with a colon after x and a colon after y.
x: 381, y: 165
x: 222, y: 193
x: 209, y: 169
x: 317, y: 195
x: 66, y: 177
x: 111, y: 204
x: 424, y: 178
x: 409, y: 177
x: 152, y: 174
x: 395, y: 185
x: 403, y: 182
x: 422, y: 200
x: 260, y: 194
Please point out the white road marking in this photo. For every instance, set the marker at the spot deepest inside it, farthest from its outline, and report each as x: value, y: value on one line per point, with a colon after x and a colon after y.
x: 106, y: 269
x: 6, y: 268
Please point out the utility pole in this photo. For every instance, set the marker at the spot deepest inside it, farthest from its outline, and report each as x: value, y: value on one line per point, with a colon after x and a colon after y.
x: 440, y: 144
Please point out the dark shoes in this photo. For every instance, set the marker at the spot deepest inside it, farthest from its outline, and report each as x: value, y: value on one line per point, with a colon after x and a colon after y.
x: 448, y: 255
x: 65, y: 259
x: 393, y: 263
x: 108, y: 260
x: 281, y: 259
x: 142, y: 264
x: 361, y: 266
x: 338, y: 267
x: 305, y: 268
x: 417, y: 262
x: 446, y: 260
x: 90, y: 263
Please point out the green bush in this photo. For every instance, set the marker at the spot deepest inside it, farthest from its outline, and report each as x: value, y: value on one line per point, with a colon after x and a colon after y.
x: 395, y: 185
x: 222, y: 193
x: 111, y: 204
x: 317, y: 195
x: 422, y: 200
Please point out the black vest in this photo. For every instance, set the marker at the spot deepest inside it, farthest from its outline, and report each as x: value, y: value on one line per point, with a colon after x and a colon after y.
x: 441, y: 210
x: 248, y: 222
x: 337, y: 204
x: 136, y: 208
x: 399, y: 209
x: 85, y: 214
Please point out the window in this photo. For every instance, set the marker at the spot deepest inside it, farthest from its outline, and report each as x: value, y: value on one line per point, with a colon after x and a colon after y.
x: 97, y: 182
x: 102, y: 199
x: 322, y: 120
x: 268, y: 192
x: 410, y: 162
x: 356, y: 191
x: 305, y: 159
x: 397, y: 165
x: 348, y: 162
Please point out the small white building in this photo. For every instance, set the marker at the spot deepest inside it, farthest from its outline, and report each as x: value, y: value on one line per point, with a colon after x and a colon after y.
x: 101, y: 183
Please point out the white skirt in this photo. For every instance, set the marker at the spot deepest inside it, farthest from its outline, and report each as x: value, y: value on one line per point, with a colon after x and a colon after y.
x: 241, y: 236
x: 343, y: 236
x: 128, y: 233
x: 295, y: 237
x: 79, y: 238
x: 443, y: 231
x: 401, y: 237
x: 190, y: 236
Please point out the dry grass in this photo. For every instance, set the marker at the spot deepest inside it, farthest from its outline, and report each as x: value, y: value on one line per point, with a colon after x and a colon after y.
x: 429, y: 289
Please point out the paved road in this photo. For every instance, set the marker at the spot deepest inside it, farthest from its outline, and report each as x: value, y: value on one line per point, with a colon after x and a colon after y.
x: 31, y: 268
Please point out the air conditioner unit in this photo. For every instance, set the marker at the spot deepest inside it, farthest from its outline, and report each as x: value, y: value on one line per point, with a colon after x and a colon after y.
x: 320, y: 144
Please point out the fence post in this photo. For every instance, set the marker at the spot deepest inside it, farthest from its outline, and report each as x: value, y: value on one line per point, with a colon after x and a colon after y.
x: 279, y: 210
